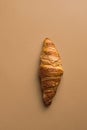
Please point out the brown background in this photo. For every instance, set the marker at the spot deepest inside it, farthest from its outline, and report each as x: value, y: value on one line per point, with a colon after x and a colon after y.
x: 23, y: 26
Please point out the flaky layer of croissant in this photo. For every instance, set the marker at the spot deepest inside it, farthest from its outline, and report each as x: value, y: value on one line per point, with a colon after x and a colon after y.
x: 50, y: 71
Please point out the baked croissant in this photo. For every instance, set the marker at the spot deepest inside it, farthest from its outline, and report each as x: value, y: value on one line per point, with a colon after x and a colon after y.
x: 50, y: 71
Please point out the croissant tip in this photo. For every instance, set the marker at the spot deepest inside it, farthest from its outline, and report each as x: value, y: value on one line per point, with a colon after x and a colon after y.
x: 47, y: 103
x: 46, y: 39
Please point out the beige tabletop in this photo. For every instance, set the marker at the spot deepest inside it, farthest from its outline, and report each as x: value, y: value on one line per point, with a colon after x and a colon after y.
x: 23, y: 26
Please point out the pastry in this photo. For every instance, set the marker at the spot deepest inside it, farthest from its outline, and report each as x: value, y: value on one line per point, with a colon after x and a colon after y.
x: 50, y: 71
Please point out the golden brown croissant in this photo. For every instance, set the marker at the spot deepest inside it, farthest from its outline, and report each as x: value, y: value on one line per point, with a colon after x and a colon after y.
x: 50, y: 71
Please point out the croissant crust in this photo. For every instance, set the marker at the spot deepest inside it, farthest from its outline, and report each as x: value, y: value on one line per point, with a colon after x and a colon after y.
x: 50, y: 71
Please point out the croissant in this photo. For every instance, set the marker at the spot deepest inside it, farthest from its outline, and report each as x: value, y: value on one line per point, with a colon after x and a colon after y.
x: 50, y: 71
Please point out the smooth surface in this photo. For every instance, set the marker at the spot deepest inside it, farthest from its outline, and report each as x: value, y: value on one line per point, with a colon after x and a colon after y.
x: 23, y: 26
